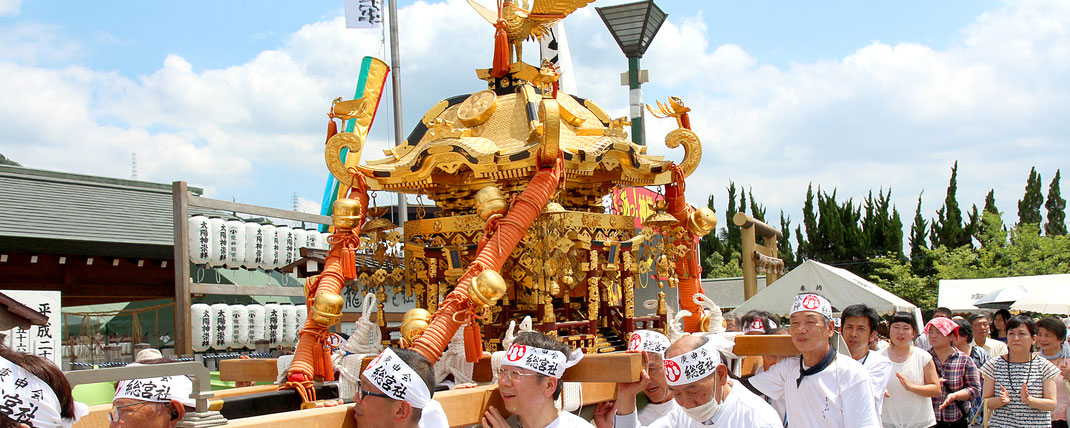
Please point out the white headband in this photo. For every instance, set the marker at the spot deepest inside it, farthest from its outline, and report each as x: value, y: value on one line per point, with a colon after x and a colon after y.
x: 758, y: 325
x: 390, y: 374
x: 542, y: 361
x: 692, y: 366
x: 813, y: 303
x: 29, y: 400
x: 157, y: 389
x: 649, y: 341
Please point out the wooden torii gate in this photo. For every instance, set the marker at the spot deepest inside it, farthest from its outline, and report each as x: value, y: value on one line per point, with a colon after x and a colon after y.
x: 758, y: 257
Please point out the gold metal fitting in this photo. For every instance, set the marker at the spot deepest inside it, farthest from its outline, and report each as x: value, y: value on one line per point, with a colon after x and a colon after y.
x: 413, y: 324
x: 346, y: 213
x: 552, y: 209
x: 326, y: 308
x: 489, y: 201
x: 702, y: 221
x: 487, y: 288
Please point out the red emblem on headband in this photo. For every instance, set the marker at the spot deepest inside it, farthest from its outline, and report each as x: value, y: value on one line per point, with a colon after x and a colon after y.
x: 757, y: 324
x: 516, y: 352
x: 672, y: 371
x: 635, y: 342
x: 811, y: 302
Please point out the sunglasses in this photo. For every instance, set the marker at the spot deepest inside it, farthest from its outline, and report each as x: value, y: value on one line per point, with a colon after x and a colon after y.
x: 362, y: 393
x: 114, y: 414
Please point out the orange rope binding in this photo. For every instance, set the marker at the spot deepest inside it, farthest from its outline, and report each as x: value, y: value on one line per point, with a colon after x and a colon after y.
x: 312, y: 358
x: 511, y: 229
x: 689, y: 286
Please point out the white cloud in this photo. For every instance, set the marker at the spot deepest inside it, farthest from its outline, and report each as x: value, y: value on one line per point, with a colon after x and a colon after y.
x: 10, y: 7
x: 883, y: 116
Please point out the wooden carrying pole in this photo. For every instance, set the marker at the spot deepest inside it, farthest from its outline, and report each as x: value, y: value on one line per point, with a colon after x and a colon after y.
x: 749, y: 225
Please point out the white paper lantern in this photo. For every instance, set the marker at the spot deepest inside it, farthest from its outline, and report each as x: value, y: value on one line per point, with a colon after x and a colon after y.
x: 257, y: 324
x: 289, y: 317
x: 239, y: 319
x: 300, y: 317
x: 198, y: 239
x: 217, y: 242
x: 273, y: 316
x: 235, y: 244
x: 271, y: 248
x: 203, y: 326
x: 254, y: 246
x: 313, y: 239
x: 325, y: 244
x: 284, y: 252
x: 300, y: 239
x: 223, y: 326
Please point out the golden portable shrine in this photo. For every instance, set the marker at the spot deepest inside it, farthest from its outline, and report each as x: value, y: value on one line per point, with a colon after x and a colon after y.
x: 519, y: 172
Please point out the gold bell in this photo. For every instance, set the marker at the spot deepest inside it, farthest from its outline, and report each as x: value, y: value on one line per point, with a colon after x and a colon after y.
x: 345, y: 213
x: 489, y: 201
x: 416, y: 314
x: 412, y: 330
x: 702, y: 221
x: 487, y: 288
x: 326, y: 308
x: 660, y: 218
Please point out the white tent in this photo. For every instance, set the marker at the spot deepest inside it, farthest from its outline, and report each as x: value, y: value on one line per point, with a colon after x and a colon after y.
x: 840, y: 286
x: 960, y: 294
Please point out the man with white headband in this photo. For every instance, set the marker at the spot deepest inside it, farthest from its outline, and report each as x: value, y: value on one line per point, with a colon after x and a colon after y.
x: 529, y: 382
x: 34, y: 393
x: 698, y: 380
x: 158, y: 402
x: 395, y: 391
x: 819, y: 388
x: 654, y: 345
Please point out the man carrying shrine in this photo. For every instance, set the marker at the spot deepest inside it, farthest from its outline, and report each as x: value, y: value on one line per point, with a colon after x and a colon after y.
x: 820, y: 387
x: 704, y: 395
x: 395, y: 391
x: 529, y: 382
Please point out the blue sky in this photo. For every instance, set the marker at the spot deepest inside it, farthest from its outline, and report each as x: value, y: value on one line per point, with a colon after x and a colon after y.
x: 856, y: 96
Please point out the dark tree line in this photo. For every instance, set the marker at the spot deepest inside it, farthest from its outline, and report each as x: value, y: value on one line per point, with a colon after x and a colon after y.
x: 866, y: 236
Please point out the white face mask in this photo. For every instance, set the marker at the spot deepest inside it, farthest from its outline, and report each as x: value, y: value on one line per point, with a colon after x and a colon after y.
x: 705, y: 412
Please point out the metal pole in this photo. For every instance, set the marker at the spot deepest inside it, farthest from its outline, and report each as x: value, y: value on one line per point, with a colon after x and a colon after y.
x: 395, y: 64
x: 635, y: 96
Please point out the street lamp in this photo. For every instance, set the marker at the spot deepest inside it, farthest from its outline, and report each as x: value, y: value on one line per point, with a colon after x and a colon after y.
x: 633, y: 26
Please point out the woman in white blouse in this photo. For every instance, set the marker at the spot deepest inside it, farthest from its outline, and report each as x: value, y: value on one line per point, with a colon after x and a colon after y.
x: 909, y: 403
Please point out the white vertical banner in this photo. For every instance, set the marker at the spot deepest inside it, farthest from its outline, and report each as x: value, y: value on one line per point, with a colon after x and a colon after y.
x: 364, y: 13
x: 43, y: 340
x: 554, y: 48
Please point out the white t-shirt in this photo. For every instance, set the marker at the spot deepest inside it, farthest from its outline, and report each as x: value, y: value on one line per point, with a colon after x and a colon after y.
x: 564, y: 420
x: 880, y: 372
x: 433, y: 416
x: 993, y: 347
x: 568, y: 420
x: 741, y: 408
x: 838, y: 396
x: 653, y: 412
x: 905, y: 409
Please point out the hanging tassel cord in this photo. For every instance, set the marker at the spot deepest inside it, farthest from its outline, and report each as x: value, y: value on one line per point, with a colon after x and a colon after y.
x: 340, y: 266
x: 510, y: 230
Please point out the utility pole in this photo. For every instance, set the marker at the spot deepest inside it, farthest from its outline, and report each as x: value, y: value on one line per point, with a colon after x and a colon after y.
x: 395, y: 64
